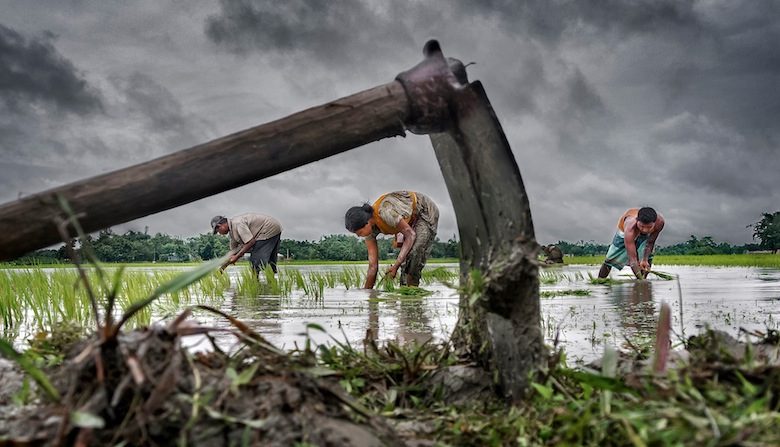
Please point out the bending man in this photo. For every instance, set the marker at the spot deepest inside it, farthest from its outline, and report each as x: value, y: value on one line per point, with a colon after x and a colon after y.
x: 637, y: 231
x: 253, y: 233
x: 411, y: 217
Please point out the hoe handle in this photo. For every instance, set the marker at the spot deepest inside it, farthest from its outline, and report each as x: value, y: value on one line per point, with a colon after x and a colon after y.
x: 210, y: 168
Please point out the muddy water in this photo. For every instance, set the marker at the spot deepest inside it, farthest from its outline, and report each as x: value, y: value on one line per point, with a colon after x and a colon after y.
x: 727, y: 298
x: 345, y: 315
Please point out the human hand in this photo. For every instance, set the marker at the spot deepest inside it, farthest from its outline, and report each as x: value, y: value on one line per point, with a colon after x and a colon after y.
x: 644, y: 265
x: 638, y: 272
x: 391, y: 272
x: 233, y: 259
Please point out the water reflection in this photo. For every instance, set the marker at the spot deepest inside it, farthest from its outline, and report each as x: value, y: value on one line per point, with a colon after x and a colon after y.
x: 635, y: 306
x: 412, y: 320
x: 261, y: 311
x: 372, y: 330
x: 722, y: 298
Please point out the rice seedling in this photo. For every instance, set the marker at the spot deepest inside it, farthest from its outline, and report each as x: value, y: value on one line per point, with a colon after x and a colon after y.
x: 313, y: 285
x: 567, y: 292
x: 271, y: 284
x: 248, y: 284
x: 296, y: 277
x: 411, y: 291
x: 331, y: 279
x: 11, y: 308
x: 606, y: 281
x: 662, y: 275
x: 214, y: 285
x: 439, y: 274
x: 352, y: 278
x: 550, y: 277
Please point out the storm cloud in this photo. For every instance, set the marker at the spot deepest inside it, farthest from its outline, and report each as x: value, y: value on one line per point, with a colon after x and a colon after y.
x: 32, y: 73
x: 332, y: 33
x: 607, y: 104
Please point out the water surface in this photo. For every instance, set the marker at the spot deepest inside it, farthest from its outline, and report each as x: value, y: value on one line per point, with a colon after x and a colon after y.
x: 725, y: 298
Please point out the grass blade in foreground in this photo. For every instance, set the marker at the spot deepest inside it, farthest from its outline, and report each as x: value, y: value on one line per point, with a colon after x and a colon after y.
x: 177, y: 283
x: 8, y: 351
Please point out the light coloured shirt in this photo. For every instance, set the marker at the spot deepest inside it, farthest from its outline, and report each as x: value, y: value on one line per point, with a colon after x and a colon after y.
x: 397, y: 206
x: 251, y: 227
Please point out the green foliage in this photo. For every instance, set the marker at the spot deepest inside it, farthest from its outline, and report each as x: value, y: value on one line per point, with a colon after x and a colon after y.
x: 208, y: 246
x: 411, y: 291
x: 700, y: 404
x: 341, y: 247
x: 134, y: 246
x: 767, y: 230
x: 582, y: 248
x: 567, y: 292
x: 741, y: 260
x: 735, y: 260
x: 702, y: 246
x: 28, y: 366
x: 696, y: 245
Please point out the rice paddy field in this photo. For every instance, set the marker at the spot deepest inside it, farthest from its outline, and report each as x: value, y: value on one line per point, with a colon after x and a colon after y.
x: 579, y: 314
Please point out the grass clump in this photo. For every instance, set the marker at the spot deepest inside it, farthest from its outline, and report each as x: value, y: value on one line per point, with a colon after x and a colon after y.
x: 709, y: 401
x: 567, y: 292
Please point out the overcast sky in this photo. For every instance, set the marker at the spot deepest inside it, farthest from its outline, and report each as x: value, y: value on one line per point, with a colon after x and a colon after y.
x: 607, y: 104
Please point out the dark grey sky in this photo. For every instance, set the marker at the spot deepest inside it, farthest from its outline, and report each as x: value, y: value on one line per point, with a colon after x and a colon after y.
x: 607, y: 104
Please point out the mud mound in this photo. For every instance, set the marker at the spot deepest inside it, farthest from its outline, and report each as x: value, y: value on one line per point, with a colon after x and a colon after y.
x: 142, y: 388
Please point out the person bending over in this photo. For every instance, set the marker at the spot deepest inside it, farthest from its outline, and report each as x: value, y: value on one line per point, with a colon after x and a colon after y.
x: 634, y: 242
x: 253, y: 233
x: 411, y: 217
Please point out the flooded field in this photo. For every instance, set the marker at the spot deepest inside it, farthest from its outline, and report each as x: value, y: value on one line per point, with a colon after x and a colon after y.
x: 724, y: 298
x: 584, y: 317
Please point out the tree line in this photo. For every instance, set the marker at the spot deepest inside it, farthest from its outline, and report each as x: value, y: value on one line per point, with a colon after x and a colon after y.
x: 136, y: 246
x: 705, y: 245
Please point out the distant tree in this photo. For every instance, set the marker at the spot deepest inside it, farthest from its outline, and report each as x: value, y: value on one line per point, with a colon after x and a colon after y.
x: 208, y: 246
x: 46, y: 256
x: 449, y: 249
x: 582, y: 248
x: 767, y: 230
x: 700, y: 246
x: 341, y: 247
x: 386, y: 249
x: 303, y: 250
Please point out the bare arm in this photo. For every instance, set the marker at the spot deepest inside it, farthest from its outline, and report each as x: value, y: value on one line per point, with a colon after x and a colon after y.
x: 235, y: 257
x: 373, y: 262
x: 630, y: 240
x: 409, y: 237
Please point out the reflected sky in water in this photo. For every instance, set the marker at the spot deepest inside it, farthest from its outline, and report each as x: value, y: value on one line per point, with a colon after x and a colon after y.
x: 726, y: 298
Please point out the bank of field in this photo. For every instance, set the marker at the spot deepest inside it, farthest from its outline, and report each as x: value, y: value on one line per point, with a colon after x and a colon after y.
x: 744, y: 260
